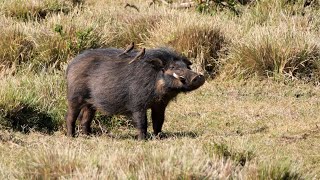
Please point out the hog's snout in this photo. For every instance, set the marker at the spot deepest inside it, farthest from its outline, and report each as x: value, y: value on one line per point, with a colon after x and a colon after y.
x: 197, y: 81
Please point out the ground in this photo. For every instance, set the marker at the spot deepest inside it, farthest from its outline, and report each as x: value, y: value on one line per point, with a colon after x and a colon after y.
x: 243, y: 130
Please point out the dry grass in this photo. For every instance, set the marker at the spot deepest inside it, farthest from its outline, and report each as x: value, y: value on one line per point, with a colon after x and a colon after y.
x: 247, y: 130
x: 15, y: 46
x: 275, y: 51
x: 30, y: 10
x: 283, y: 41
x: 201, y: 41
x: 235, y: 127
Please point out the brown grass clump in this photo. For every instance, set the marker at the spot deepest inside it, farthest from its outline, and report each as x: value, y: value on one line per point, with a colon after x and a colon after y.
x: 269, y: 12
x: 275, y: 51
x: 15, y: 46
x: 133, y: 29
x: 202, y: 44
x: 46, y: 163
x: 34, y: 9
x: 50, y: 43
x: 62, y: 38
x: 194, y: 37
x: 278, y: 172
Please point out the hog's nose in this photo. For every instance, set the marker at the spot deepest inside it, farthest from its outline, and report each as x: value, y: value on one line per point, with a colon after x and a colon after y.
x: 198, y: 81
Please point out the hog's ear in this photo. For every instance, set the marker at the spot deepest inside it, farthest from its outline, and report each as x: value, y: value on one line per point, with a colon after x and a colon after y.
x: 157, y: 63
x: 187, y: 61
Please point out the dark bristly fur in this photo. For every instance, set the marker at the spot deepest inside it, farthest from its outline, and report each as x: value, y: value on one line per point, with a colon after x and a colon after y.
x: 102, y: 80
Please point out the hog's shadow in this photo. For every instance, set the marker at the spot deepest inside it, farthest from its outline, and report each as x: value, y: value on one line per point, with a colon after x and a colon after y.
x: 101, y: 129
x: 25, y: 118
x: 179, y: 134
x: 151, y: 136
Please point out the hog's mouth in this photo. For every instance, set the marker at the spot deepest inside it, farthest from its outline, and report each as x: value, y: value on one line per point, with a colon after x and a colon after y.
x: 181, y: 78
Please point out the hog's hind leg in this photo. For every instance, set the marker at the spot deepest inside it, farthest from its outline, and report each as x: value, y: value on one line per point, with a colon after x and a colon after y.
x: 72, y: 115
x: 140, y: 118
x: 88, y: 113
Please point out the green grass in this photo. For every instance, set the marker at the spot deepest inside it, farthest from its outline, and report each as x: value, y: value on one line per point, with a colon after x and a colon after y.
x: 33, y: 101
x: 259, y: 119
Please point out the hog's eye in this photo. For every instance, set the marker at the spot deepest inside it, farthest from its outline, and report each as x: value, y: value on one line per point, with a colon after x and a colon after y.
x: 171, y: 67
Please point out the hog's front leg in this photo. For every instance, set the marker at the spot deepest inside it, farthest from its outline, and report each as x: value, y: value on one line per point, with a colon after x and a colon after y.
x: 157, y: 115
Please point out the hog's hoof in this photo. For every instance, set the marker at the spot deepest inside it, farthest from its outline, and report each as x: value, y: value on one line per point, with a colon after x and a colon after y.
x: 142, y: 136
x: 160, y: 135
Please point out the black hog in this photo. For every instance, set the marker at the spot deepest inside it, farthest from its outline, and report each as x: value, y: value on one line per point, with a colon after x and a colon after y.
x: 128, y: 82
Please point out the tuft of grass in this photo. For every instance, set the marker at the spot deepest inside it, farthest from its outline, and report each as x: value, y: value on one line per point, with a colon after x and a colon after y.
x: 50, y: 164
x: 134, y: 28
x: 27, y: 10
x: 278, y: 172
x: 222, y: 150
x: 48, y: 44
x: 275, y: 52
x: 56, y: 50
x: 202, y: 42
x: 212, y: 7
x: 15, y: 46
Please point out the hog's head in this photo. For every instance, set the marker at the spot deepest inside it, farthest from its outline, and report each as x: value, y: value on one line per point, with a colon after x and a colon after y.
x: 175, y: 73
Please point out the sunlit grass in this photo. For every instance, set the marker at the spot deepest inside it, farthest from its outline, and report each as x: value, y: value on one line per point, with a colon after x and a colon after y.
x: 259, y: 119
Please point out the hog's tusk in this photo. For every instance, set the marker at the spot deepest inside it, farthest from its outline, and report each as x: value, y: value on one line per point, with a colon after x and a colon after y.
x: 182, y: 78
x: 175, y: 75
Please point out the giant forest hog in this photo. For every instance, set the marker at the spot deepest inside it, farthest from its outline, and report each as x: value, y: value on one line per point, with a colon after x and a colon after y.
x: 127, y: 82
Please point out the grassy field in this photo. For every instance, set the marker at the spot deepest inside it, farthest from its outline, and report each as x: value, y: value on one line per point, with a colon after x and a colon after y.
x: 256, y: 117
x: 242, y: 130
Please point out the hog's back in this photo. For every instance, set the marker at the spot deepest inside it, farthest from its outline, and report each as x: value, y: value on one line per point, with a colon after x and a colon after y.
x: 107, y: 82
